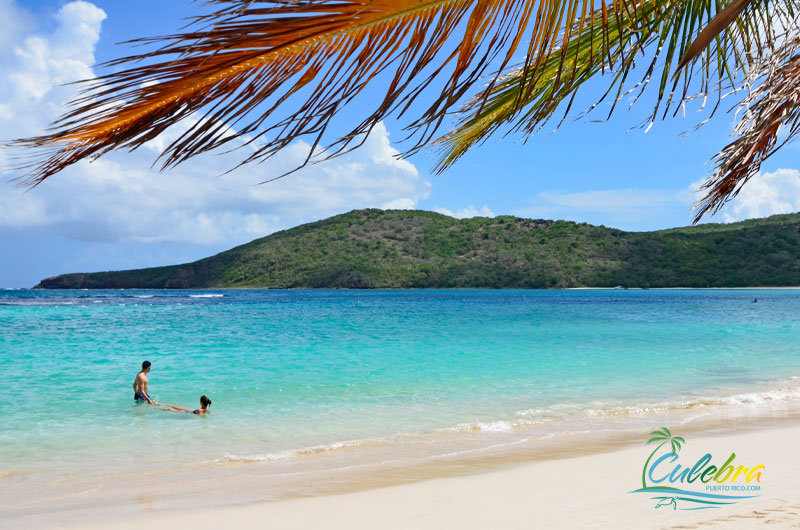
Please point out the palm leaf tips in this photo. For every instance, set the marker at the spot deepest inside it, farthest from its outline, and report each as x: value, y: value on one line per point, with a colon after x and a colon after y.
x: 264, y: 73
x: 245, y: 62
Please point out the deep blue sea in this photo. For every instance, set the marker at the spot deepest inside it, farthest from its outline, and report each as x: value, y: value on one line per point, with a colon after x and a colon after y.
x: 296, y: 376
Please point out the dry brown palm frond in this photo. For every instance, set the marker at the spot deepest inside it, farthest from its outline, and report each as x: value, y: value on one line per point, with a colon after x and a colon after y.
x: 770, y: 109
x: 239, y: 65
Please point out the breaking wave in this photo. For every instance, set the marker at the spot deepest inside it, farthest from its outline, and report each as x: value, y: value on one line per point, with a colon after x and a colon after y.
x: 544, y: 423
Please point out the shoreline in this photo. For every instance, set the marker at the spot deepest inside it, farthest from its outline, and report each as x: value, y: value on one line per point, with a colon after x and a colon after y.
x: 746, y: 288
x: 246, y: 495
x: 579, y: 491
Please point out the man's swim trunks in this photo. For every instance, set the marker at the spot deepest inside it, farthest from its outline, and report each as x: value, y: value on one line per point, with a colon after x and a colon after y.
x: 138, y: 397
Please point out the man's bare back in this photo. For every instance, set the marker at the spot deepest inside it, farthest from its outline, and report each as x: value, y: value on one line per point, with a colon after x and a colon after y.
x: 140, y: 390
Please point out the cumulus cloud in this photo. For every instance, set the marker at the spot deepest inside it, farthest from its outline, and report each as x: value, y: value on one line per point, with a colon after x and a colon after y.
x: 37, y: 68
x: 468, y: 212
x: 765, y: 194
x: 120, y: 198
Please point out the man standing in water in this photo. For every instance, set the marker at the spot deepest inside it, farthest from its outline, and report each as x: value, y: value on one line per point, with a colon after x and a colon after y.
x: 140, y: 394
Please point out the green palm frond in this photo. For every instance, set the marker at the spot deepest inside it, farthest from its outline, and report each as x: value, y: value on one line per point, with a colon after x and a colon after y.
x: 662, y: 31
x: 716, y: 26
x: 530, y: 96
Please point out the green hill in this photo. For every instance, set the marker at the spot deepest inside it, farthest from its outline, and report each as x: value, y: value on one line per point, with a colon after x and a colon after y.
x: 397, y: 249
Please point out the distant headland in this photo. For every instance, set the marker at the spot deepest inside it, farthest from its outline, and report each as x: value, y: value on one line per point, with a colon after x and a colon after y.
x: 420, y: 249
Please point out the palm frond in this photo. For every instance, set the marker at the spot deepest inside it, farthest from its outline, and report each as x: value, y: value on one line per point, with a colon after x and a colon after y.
x: 771, y: 106
x: 601, y: 45
x: 717, y: 25
x: 263, y: 73
x: 241, y: 64
x: 664, y: 30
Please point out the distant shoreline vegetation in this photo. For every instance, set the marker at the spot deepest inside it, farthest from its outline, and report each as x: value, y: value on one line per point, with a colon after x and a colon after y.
x: 399, y: 249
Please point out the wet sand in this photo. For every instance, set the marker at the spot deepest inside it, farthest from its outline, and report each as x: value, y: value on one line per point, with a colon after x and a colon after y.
x: 580, y: 481
x: 585, y: 491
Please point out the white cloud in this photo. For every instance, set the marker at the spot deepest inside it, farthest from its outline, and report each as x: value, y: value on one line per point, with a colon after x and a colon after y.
x: 468, y: 212
x: 633, y: 209
x: 120, y: 198
x: 763, y: 195
x: 43, y: 62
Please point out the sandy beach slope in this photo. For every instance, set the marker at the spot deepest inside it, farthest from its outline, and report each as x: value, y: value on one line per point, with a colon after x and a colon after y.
x: 582, y: 492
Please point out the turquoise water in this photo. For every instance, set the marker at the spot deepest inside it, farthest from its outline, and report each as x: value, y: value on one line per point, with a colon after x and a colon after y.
x: 299, y: 373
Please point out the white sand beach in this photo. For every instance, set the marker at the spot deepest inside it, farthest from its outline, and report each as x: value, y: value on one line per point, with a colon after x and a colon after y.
x: 587, y: 491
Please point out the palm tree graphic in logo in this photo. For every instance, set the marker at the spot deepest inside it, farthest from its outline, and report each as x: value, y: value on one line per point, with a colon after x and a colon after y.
x: 663, y: 436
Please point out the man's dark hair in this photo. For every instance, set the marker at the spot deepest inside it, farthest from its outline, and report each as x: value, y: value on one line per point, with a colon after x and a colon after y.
x: 145, y: 365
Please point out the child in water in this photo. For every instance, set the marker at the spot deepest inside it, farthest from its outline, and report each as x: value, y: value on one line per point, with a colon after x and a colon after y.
x: 204, y: 404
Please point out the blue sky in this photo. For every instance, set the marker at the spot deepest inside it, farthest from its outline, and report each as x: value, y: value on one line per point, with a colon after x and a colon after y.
x: 118, y: 213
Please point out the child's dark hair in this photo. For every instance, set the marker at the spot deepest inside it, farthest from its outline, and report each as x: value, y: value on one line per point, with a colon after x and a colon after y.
x: 205, y: 401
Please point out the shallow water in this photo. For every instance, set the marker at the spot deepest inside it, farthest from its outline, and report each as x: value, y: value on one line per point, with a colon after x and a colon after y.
x: 361, y: 376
